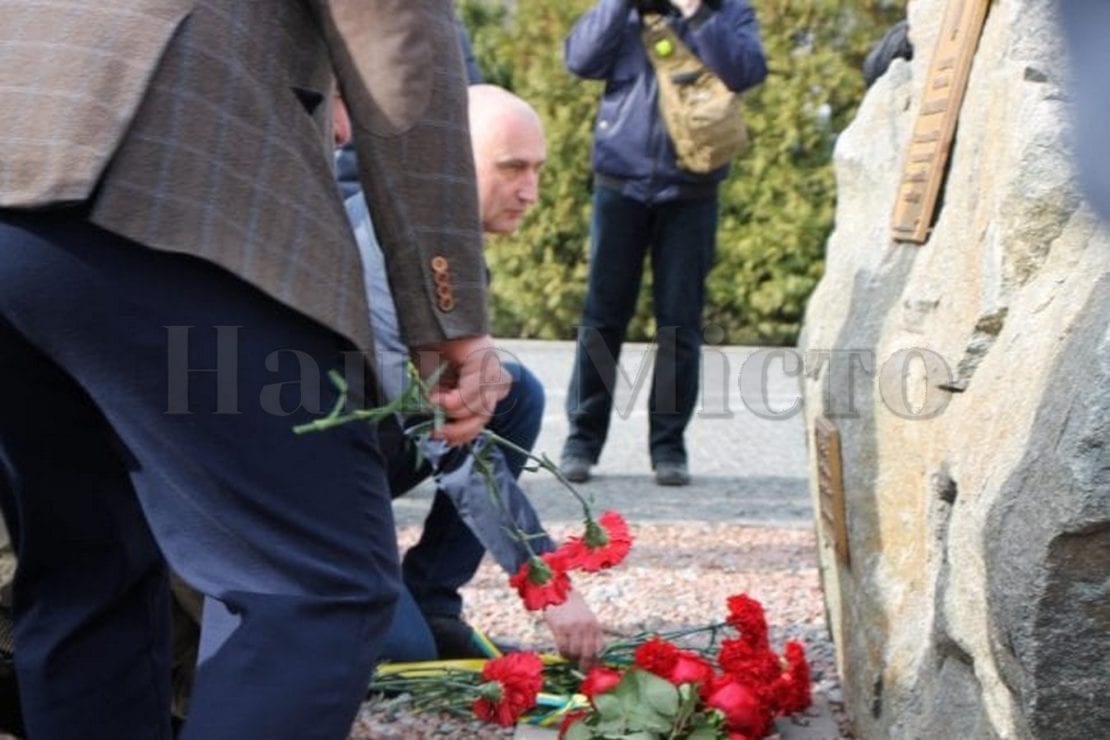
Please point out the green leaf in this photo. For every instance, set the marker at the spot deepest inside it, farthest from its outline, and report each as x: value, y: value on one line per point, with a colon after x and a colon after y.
x: 658, y: 693
x: 579, y: 731
x: 609, y: 706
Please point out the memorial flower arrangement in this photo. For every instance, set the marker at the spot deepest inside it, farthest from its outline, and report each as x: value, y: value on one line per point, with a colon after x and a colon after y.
x: 721, y: 680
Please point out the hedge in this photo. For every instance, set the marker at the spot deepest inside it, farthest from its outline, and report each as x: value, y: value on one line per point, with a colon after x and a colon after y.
x: 776, y: 207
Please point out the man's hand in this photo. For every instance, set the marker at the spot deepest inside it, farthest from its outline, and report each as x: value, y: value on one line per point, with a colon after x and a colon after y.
x: 470, y: 386
x: 686, y: 7
x: 576, y: 630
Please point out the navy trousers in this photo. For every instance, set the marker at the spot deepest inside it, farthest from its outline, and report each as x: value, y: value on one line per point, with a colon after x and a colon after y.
x: 680, y: 238
x: 146, y: 406
x: 448, y: 554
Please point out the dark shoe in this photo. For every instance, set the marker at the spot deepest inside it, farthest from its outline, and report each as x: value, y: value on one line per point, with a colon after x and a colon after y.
x: 672, y: 474
x: 455, y: 639
x: 575, y: 469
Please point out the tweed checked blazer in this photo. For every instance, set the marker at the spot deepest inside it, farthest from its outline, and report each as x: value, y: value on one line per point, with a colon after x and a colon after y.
x: 204, y: 127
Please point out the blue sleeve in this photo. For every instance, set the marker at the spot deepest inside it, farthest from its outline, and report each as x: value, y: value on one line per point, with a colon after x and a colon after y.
x: 473, y: 73
x: 593, y: 43
x: 727, y: 40
x: 390, y: 353
x: 485, y: 516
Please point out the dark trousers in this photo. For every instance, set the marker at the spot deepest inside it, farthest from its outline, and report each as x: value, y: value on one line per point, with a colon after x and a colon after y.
x: 105, y: 478
x: 680, y: 239
x: 448, y: 554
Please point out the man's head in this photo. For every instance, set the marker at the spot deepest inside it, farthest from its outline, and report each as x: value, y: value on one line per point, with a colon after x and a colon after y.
x: 509, y: 152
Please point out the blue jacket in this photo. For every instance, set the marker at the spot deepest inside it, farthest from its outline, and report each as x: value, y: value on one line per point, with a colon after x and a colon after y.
x: 632, y: 150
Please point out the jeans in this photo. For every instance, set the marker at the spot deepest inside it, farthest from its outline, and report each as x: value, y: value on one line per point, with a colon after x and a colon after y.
x: 448, y: 554
x: 291, y: 538
x: 680, y: 237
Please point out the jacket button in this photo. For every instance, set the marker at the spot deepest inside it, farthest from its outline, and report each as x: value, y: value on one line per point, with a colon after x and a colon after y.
x: 439, y: 264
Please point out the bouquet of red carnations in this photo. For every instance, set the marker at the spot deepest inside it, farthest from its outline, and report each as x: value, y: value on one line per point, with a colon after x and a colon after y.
x: 730, y: 684
x: 733, y: 689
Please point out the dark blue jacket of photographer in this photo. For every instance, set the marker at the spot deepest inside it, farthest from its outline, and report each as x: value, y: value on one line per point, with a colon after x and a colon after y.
x: 632, y: 151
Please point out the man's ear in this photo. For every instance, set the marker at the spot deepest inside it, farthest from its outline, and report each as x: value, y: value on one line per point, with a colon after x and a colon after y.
x: 341, y: 123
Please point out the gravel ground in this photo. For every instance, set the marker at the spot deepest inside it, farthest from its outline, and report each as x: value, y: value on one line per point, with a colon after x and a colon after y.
x: 677, y: 575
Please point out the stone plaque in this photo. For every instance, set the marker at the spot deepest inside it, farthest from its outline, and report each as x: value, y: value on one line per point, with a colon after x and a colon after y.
x: 830, y: 486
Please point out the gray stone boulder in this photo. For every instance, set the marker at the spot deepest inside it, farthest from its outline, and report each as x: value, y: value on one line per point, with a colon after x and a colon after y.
x: 969, y: 380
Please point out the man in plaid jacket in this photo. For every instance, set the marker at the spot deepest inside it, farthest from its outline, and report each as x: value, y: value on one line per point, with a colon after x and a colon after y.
x: 176, y: 274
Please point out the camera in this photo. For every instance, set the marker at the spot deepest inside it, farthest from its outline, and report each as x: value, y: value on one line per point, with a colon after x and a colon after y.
x: 662, y: 7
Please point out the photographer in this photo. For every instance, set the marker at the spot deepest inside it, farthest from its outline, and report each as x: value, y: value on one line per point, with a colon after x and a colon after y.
x: 645, y: 203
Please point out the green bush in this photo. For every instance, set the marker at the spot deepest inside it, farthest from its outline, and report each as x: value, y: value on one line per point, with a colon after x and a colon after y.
x: 776, y: 207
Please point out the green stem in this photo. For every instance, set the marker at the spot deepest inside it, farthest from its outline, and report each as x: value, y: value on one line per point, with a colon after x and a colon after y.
x: 484, y: 466
x: 545, y: 463
x: 615, y: 649
x: 413, y: 398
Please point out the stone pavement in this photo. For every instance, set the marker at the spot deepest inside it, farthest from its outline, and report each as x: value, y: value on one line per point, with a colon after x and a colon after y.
x: 747, y: 467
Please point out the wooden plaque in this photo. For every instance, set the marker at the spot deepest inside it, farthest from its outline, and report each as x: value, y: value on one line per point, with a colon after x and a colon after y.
x: 830, y: 487
x: 927, y: 155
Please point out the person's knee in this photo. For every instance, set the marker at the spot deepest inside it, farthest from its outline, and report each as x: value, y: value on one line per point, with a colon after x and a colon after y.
x: 526, y: 398
x: 526, y: 395
x: 531, y: 392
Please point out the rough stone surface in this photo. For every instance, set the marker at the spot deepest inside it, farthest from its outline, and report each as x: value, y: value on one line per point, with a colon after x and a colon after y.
x: 969, y: 380
x: 1049, y: 612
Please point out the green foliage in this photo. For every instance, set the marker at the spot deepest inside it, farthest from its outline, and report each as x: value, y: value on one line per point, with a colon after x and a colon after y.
x: 645, y: 706
x: 776, y: 207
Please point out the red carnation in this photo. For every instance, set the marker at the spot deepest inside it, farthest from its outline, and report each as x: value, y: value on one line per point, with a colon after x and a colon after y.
x: 690, y: 668
x: 542, y: 581
x: 746, y: 615
x: 756, y: 666
x: 657, y: 656
x: 740, y: 706
x: 599, y: 680
x: 677, y: 666
x: 511, y: 685
x: 793, y: 686
x: 605, y: 544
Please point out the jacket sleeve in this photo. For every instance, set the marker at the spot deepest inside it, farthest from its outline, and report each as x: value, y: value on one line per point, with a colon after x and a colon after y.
x: 473, y: 72
x: 460, y: 479
x: 400, y: 72
x: 593, y: 43
x: 728, y: 42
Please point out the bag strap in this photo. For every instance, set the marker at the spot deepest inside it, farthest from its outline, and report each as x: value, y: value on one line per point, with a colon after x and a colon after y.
x: 668, y: 53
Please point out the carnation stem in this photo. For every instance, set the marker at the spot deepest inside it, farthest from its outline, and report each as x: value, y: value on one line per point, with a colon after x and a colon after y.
x: 544, y: 462
x: 413, y: 399
x: 486, y: 469
x: 615, y: 651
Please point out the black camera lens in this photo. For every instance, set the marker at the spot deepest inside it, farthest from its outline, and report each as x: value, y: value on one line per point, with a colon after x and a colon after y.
x: 662, y: 7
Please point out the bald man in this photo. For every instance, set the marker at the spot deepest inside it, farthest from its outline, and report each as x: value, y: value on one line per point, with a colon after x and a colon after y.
x: 509, y: 151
